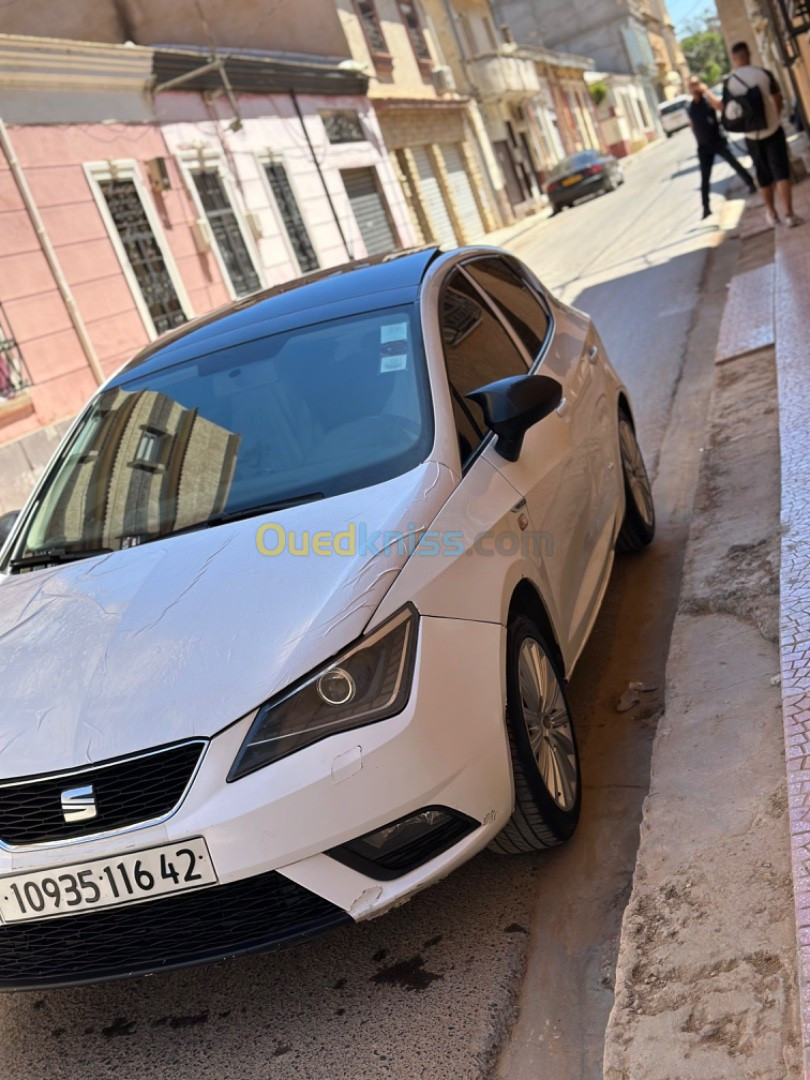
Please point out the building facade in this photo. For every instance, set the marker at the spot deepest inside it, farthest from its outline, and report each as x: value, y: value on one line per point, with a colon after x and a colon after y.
x: 672, y: 74
x: 612, y: 32
x: 433, y: 132
x: 136, y: 193
x: 624, y: 112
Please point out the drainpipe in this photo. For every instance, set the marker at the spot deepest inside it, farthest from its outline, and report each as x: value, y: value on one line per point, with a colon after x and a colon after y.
x: 317, y: 165
x: 50, y: 255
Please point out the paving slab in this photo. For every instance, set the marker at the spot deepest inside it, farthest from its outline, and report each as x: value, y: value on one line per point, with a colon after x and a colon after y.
x: 748, y: 317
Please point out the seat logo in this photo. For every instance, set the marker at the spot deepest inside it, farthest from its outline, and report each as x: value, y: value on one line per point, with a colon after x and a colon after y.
x: 79, y: 804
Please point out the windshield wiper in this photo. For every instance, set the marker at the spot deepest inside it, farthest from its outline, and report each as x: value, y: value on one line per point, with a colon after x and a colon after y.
x: 236, y: 515
x: 54, y: 556
x: 264, y: 508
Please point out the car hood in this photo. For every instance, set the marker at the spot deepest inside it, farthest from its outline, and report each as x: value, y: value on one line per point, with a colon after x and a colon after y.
x: 183, y: 636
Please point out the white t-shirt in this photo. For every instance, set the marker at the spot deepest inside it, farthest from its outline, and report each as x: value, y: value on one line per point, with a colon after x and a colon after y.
x: 756, y: 76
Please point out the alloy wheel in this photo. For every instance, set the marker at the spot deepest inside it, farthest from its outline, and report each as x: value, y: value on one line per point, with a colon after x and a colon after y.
x: 548, y: 724
x: 636, y: 474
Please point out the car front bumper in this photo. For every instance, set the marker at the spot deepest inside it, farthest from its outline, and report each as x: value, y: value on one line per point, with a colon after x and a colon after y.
x: 267, y: 833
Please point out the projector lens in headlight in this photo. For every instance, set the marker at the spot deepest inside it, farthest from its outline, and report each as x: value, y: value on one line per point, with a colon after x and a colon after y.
x: 370, y: 681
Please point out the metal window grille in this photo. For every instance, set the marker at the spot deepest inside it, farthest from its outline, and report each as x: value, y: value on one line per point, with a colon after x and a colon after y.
x: 343, y: 126
x: 371, y: 25
x: 13, y: 372
x: 291, y: 216
x: 143, y: 252
x: 226, y: 232
x: 410, y: 17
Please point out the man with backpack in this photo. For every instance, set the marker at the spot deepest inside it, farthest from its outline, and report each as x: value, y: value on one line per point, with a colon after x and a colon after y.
x: 702, y: 112
x: 752, y: 104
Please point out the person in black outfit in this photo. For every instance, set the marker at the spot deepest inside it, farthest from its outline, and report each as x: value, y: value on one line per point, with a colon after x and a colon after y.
x: 711, y: 141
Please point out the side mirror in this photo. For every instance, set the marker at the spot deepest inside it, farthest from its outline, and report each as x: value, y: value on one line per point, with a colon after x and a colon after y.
x: 7, y: 524
x: 512, y: 406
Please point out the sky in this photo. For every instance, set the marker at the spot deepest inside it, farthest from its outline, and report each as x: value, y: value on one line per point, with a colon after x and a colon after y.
x: 683, y: 11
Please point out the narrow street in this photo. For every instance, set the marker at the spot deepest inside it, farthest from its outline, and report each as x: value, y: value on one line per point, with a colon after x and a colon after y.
x: 433, y: 989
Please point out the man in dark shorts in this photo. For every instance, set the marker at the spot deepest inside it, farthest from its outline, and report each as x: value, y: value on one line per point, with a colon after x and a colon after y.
x: 767, y: 145
x: 702, y: 112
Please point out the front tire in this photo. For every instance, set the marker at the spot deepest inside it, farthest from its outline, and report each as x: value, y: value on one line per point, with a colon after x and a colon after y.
x: 638, y: 527
x: 543, y: 745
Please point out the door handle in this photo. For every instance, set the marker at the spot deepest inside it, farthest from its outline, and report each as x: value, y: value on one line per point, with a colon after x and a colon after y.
x: 593, y: 353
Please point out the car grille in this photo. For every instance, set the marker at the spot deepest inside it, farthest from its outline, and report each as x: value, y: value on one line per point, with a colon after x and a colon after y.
x: 127, y: 792
x: 212, y: 923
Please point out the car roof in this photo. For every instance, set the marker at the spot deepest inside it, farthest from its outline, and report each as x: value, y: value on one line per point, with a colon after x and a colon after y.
x: 362, y: 285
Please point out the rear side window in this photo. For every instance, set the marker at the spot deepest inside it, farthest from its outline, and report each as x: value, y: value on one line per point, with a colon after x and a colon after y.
x: 514, y: 299
x: 477, y: 351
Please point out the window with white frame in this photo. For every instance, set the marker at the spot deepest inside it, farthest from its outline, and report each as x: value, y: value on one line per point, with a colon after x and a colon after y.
x: 135, y: 232
x: 225, y: 229
x: 291, y: 215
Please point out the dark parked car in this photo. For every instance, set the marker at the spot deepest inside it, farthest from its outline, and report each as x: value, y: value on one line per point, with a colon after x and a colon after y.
x: 586, y: 173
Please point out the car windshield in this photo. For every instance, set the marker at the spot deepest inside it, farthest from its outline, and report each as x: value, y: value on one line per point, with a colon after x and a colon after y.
x: 577, y: 161
x: 300, y: 415
x: 672, y: 107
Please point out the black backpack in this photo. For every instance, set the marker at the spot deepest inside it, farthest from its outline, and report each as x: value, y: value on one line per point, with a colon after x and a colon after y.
x: 745, y: 113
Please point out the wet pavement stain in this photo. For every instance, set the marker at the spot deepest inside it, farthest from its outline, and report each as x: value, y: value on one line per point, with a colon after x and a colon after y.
x: 407, y: 974
x: 515, y: 928
x: 119, y: 1026
x: 175, y: 1022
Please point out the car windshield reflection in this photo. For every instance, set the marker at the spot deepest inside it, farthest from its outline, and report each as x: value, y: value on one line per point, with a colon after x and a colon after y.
x: 301, y: 415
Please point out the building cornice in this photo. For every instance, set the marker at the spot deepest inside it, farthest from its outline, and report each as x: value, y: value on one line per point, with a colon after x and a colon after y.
x: 56, y: 65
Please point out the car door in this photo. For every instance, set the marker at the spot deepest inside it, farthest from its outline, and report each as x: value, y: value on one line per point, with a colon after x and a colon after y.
x: 570, y: 502
x: 480, y: 347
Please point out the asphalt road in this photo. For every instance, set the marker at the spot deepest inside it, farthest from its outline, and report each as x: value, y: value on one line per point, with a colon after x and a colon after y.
x: 431, y: 990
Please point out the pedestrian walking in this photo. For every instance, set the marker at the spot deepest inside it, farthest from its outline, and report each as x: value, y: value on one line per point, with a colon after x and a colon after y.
x: 752, y: 103
x: 711, y: 141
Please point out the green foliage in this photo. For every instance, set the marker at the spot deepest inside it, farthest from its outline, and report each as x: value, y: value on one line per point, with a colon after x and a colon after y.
x: 599, y: 92
x: 705, y: 52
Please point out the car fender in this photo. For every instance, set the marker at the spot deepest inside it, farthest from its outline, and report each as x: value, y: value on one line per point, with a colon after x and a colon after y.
x: 474, y: 555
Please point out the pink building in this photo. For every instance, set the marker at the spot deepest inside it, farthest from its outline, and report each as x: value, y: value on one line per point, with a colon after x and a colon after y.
x: 125, y: 212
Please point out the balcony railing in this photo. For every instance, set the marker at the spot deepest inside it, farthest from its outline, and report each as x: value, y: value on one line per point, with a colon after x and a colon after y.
x: 13, y: 372
x: 500, y: 77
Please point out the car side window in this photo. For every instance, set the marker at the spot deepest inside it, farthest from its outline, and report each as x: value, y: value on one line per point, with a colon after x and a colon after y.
x: 477, y: 350
x: 514, y: 299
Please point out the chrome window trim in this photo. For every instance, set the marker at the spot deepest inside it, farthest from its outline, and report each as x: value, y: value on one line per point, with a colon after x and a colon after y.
x: 79, y: 769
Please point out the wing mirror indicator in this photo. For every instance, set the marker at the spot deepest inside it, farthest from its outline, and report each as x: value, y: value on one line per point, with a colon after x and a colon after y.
x: 511, y: 406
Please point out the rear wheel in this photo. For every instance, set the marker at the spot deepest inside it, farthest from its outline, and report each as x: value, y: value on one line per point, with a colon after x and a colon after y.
x: 545, y: 758
x: 638, y: 527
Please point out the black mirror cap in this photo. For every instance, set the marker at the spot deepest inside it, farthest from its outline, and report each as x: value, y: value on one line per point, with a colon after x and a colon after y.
x: 511, y: 406
x: 7, y: 524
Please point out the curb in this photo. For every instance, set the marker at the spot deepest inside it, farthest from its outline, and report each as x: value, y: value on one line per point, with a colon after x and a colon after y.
x: 791, y: 294
x: 707, y: 946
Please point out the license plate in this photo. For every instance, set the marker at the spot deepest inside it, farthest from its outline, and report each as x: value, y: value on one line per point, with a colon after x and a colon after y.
x: 99, y: 883
x: 569, y: 180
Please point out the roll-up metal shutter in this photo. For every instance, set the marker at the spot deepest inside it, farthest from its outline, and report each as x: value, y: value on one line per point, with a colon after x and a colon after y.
x: 432, y: 198
x: 466, y: 206
x: 369, y: 210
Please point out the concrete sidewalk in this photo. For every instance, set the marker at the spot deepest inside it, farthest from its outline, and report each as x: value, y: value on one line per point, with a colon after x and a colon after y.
x: 707, y: 984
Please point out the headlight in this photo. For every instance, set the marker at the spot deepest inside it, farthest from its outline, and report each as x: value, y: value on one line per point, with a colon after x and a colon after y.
x: 371, y: 681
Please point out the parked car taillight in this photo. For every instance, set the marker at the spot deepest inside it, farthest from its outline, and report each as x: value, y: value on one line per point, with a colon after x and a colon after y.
x: 593, y: 170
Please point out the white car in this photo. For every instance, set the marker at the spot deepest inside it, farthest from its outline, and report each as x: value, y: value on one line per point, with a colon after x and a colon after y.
x: 673, y: 114
x: 286, y: 626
